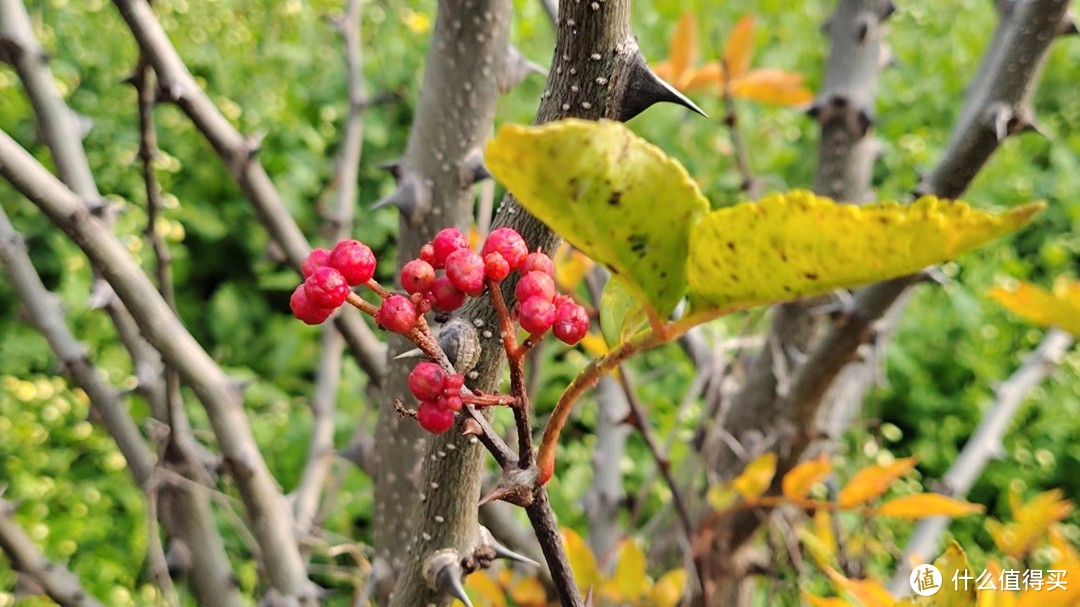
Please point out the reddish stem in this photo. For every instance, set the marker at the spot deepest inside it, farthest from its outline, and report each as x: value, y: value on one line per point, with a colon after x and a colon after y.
x: 490, y: 400
x: 358, y: 302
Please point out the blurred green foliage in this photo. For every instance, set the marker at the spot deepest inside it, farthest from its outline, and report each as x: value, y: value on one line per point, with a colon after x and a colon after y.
x: 276, y: 68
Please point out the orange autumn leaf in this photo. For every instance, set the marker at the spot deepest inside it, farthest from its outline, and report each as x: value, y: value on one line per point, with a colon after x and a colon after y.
x: 1061, y: 308
x: 873, y: 481
x: 798, y: 482
x: 757, y: 477
x: 1031, y: 521
x: 740, y: 46
x: 528, y: 592
x: 923, y: 505
x: 771, y: 85
x: 867, y: 592
x: 818, y: 601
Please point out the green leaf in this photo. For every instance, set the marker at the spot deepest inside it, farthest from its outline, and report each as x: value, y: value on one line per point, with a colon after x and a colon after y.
x: 621, y: 314
x: 796, y: 244
x: 614, y: 196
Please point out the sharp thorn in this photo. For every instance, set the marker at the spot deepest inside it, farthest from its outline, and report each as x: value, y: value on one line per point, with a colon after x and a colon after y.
x: 644, y: 88
x: 589, y: 597
x: 1068, y: 27
x: 501, y: 551
x: 888, y: 10
x: 414, y: 353
x: 411, y: 198
x: 450, y: 583
x: 472, y: 168
x: 496, y: 494
x: 393, y: 167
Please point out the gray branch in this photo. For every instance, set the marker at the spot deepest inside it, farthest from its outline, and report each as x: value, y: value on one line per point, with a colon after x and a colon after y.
x: 268, y: 512
x: 238, y: 152
x: 60, y: 584
x: 984, y: 445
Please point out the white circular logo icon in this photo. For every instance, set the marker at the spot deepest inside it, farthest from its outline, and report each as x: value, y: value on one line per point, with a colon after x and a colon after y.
x: 925, y: 580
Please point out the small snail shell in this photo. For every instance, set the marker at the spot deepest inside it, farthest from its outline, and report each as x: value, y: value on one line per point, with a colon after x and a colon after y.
x: 462, y: 346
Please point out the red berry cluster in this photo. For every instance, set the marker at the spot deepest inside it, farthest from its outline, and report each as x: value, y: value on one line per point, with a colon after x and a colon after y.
x: 327, y: 278
x: 439, y: 394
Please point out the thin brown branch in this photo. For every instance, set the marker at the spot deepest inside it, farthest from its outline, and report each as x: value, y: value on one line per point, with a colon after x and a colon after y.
x: 59, y: 583
x: 266, y: 506
x: 238, y: 153
x: 731, y: 121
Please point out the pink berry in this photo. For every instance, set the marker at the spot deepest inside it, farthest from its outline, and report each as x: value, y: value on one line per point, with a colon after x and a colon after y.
x: 465, y: 269
x: 453, y: 403
x: 426, y: 381
x: 427, y: 253
x: 445, y: 243
x: 538, y: 262
x: 495, y: 267
x: 535, y: 284
x: 306, y: 311
x: 326, y: 288
x: 433, y: 418
x: 354, y: 260
x: 417, y: 276
x: 316, y: 259
x: 536, y: 315
x: 446, y: 297
x: 397, y: 314
x: 571, y: 323
x: 453, y: 384
x: 508, y: 243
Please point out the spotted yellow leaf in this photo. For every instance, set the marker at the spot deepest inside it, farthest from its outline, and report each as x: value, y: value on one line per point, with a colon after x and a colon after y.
x: 1061, y: 308
x: 619, y: 199
x: 923, y: 505
x: 797, y: 244
x: 756, y: 478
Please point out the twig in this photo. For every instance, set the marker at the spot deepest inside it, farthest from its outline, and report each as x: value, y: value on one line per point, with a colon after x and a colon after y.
x: 266, y: 506
x: 547, y: 533
x: 328, y: 376
x: 59, y: 583
x: 984, y: 445
x: 731, y: 120
x: 238, y: 153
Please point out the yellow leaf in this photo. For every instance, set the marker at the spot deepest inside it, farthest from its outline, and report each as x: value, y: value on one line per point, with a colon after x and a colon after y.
x: 668, y: 590
x: 818, y: 538
x: 483, y: 590
x: 798, y: 482
x: 797, y: 245
x: 721, y: 497
x: 740, y: 45
x: 997, y: 597
x: 683, y: 49
x: 630, y: 575
x: 756, y: 478
x: 817, y: 601
x: 582, y: 561
x: 418, y: 23
x: 873, y: 481
x: 598, y: 185
x: 528, y: 592
x: 1031, y: 521
x: 571, y: 266
x: 927, y: 504
x: 1036, y: 305
x: 771, y: 85
x: 594, y: 344
x: 867, y: 592
x: 952, y: 561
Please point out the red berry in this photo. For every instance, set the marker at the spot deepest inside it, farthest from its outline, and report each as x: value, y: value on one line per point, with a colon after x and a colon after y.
x: 306, y: 311
x: 433, y: 418
x: 427, y: 253
x: 326, y: 288
x: 452, y: 403
x: 426, y: 381
x: 445, y: 243
x: 495, y: 267
x: 316, y: 259
x: 465, y: 269
x: 417, y: 276
x: 453, y: 384
x: 446, y: 297
x: 536, y: 315
x: 397, y: 314
x: 571, y: 323
x: 354, y: 260
x: 535, y: 284
x: 508, y: 243
x: 538, y: 262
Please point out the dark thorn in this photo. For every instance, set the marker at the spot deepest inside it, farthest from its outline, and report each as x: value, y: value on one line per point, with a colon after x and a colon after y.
x: 393, y: 167
x: 501, y: 551
x: 863, y: 31
x: 863, y: 122
x: 814, y: 111
x: 449, y: 581
x: 411, y: 198
x: 1068, y: 27
x: 644, y: 88
x: 888, y: 10
x: 472, y: 168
